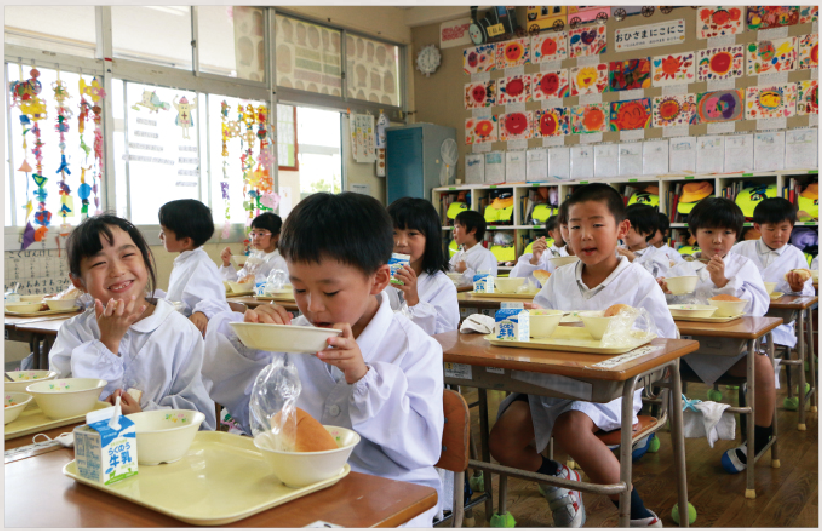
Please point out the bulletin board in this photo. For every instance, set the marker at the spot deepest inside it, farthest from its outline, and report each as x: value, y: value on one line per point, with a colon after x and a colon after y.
x: 39, y: 271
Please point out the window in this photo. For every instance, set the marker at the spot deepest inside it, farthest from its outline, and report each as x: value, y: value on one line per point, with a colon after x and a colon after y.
x: 153, y: 34
x: 65, y: 29
x: 319, y: 152
x: 231, y: 41
x: 308, y: 57
x: 287, y: 138
x: 372, y: 70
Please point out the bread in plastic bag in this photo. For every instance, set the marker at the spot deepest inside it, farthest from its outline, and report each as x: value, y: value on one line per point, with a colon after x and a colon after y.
x: 276, y: 280
x: 276, y: 390
x: 628, y: 325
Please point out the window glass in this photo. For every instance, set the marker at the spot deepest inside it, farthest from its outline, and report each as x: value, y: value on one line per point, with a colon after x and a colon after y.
x: 231, y: 41
x: 153, y: 34
x: 64, y: 29
x: 308, y: 57
x: 372, y: 70
x: 286, y: 138
x: 319, y: 151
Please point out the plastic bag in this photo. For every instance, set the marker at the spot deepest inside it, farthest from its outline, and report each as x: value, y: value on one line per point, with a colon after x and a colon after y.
x: 628, y: 325
x: 276, y: 280
x: 276, y: 390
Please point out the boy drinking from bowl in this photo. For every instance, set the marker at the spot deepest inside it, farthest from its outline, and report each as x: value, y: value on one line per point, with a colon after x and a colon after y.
x: 596, y: 220
x: 382, y: 377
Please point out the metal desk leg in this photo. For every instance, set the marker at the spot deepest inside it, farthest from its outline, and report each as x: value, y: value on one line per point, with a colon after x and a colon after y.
x: 677, y: 436
x: 625, y: 452
x: 812, y: 362
x: 802, y: 358
x: 750, y: 492
x: 34, y: 348
x: 774, y: 455
x: 486, y: 453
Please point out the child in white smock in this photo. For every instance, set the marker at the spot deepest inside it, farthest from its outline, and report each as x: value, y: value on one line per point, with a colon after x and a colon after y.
x: 637, y: 249
x: 540, y: 257
x: 264, y: 235
x: 469, y: 230
x: 659, y: 239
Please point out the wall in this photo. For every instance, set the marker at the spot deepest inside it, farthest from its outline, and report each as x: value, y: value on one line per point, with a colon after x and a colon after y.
x: 391, y: 26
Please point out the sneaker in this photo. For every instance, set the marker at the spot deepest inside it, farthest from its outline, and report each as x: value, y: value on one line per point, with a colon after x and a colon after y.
x: 730, y: 461
x: 566, y: 505
x: 648, y: 521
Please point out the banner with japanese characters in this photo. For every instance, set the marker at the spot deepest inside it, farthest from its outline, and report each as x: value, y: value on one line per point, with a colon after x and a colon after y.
x: 650, y: 35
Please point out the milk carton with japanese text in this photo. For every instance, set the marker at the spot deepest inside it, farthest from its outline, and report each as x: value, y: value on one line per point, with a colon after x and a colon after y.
x: 512, y: 322
x: 105, y: 453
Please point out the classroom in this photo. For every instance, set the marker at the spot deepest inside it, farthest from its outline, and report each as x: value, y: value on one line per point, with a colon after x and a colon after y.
x: 397, y: 265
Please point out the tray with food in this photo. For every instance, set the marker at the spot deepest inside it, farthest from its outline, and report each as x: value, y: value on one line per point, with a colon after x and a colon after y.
x: 575, y: 339
x: 237, y: 289
x: 699, y: 313
x: 529, y: 295
x: 33, y: 420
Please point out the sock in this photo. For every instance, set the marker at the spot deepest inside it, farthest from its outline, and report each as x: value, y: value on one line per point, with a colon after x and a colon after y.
x: 549, y: 467
x: 638, y: 509
x: 762, y: 435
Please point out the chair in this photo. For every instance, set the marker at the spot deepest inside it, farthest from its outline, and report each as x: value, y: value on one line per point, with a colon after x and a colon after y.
x: 455, y: 448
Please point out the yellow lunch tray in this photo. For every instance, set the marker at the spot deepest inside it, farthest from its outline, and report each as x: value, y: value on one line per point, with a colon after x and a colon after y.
x: 241, y: 294
x: 573, y: 339
x: 710, y: 319
x: 222, y: 478
x: 32, y: 420
x: 277, y: 297
x: 42, y: 313
x: 527, y: 295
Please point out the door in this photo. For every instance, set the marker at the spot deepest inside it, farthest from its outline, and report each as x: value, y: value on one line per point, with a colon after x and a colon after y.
x: 403, y: 165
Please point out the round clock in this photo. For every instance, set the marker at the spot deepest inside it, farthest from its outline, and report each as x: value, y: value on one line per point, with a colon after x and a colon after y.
x: 429, y: 59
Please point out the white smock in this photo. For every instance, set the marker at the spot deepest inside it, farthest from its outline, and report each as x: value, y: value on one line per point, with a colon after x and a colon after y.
x: 195, y: 281
x: 271, y: 261
x: 477, y: 259
x: 654, y: 260
x: 673, y: 255
x: 438, y: 310
x: 524, y: 267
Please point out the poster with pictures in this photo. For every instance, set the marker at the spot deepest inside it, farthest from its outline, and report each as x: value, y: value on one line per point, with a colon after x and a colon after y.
x: 675, y: 69
x: 630, y: 115
x: 771, y: 57
x: 808, y: 14
x: 481, y: 129
x: 723, y: 62
x: 514, y: 89
x: 516, y: 125
x: 719, y: 106
x: 629, y: 75
x: 668, y: 33
x: 807, y: 97
x: 513, y: 53
x: 592, y: 118
x: 719, y: 21
x: 550, y: 84
x: 480, y: 94
x: 548, y: 47
x: 591, y: 79
x: 478, y: 59
x: 586, y: 41
x: 808, y: 51
x: 772, y: 101
x: 365, y: 141
x: 671, y: 111
x: 550, y: 123
x: 766, y: 17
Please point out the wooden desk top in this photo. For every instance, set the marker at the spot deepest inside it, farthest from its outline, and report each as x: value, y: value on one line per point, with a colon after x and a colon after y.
x: 468, y: 300
x: 788, y: 302
x: 474, y: 349
x: 253, y: 302
x: 48, y: 328
x: 743, y: 328
x: 465, y: 289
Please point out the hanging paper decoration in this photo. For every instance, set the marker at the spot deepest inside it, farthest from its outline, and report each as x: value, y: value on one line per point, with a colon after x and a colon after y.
x: 587, y: 41
x: 591, y: 118
x: 772, y: 101
x: 185, y: 118
x: 225, y: 134
x: 718, y: 21
x: 719, y: 106
x: 514, y: 89
x: 63, y: 115
x: 516, y: 125
x: 807, y: 97
x: 480, y: 94
x: 808, y: 14
x: 770, y: 57
x: 96, y: 93
x: 675, y: 68
x: 550, y: 84
x: 723, y: 62
x: 513, y: 53
x: 478, y: 59
x: 808, y: 51
x: 481, y: 129
x: 631, y: 114
x: 550, y: 123
x: 151, y: 102
x: 591, y: 79
x: 630, y: 75
x: 548, y: 47
x: 764, y: 17
x: 670, y: 111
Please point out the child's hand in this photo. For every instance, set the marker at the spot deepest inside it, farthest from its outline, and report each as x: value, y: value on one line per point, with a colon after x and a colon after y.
x: 663, y: 284
x: 409, y: 288
x: 199, y: 320
x: 268, y: 313
x: 128, y: 404
x: 539, y: 247
x: 531, y: 306
x: 225, y: 256
x: 460, y: 267
x: 623, y: 251
x: 795, y: 281
x: 716, y: 268
x: 114, y: 319
x: 344, y: 353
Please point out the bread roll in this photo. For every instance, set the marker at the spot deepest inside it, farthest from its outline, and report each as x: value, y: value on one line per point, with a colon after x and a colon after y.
x: 726, y: 297
x: 311, y: 436
x: 804, y: 274
x: 541, y: 275
x: 615, y: 309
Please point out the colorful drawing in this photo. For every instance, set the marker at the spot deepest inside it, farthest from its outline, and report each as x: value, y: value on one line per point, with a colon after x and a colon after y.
x: 516, y: 125
x: 771, y: 101
x: 807, y: 97
x: 184, y: 116
x: 808, y: 14
x: 719, y: 106
x: 718, y: 21
x: 675, y: 69
x: 675, y: 110
x: 592, y: 118
x: 477, y: 59
x: 549, y: 47
x: 723, y: 62
x: 764, y: 17
x: 514, y: 89
x: 151, y: 102
x: 550, y: 122
x: 587, y: 41
x: 808, y: 51
x: 631, y: 74
x: 513, y: 53
x: 481, y: 129
x: 630, y: 114
x: 550, y: 84
x: 770, y: 57
x: 480, y: 94
x: 591, y: 79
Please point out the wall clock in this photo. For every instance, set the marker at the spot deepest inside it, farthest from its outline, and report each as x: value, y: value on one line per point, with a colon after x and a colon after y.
x: 429, y: 59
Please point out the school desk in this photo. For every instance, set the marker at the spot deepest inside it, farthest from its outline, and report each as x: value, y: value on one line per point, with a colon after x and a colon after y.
x: 477, y: 363
x: 465, y: 289
x: 253, y: 302
x: 491, y: 302
x: 38, y: 332
x: 729, y: 339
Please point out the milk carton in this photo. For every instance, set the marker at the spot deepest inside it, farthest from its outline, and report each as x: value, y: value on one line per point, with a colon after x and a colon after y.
x: 483, y: 282
x: 104, y: 453
x: 512, y: 322
x: 396, y: 262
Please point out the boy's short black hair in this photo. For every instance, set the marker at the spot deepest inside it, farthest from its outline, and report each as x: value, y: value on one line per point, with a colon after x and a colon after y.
x: 599, y: 192
x: 268, y: 221
x: 188, y: 218
x: 664, y: 225
x: 352, y: 228
x: 551, y: 223
x: 84, y: 241
x: 471, y: 219
x: 774, y: 210
x: 562, y: 217
x: 716, y: 213
x: 644, y: 219
x: 411, y: 213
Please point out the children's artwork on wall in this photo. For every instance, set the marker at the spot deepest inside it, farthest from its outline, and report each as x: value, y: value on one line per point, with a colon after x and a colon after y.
x: 185, y: 117
x: 151, y: 102
x: 586, y: 41
x: 516, y: 125
x: 764, y: 17
x: 772, y: 101
x: 808, y: 14
x: 591, y: 118
x: 591, y: 79
x: 770, y: 57
x: 630, y: 114
x: 550, y: 123
x: 675, y: 69
x: 719, y: 106
x: 513, y: 53
x: 514, y: 89
x: 481, y: 129
x: 807, y: 97
x: 723, y: 62
x: 480, y: 94
x: 550, y: 84
x: 808, y: 51
x: 718, y: 21
x: 670, y: 111
x: 629, y: 75
x: 477, y: 59
x: 549, y: 47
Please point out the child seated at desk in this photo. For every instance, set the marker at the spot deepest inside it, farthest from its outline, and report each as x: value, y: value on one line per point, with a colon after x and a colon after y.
x: 661, y: 236
x: 469, y: 230
x: 644, y: 225
x: 382, y: 377
x: 596, y: 216
x: 264, y: 235
x: 541, y: 255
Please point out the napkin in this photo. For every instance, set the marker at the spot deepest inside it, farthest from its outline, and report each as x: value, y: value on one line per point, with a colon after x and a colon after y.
x: 477, y: 323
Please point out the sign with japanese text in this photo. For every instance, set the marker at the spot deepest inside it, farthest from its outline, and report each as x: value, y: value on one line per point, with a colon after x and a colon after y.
x: 650, y: 35
x: 455, y: 33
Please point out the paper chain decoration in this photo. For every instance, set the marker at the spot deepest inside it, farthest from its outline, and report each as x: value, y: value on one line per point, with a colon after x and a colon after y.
x: 63, y: 115
x: 96, y: 93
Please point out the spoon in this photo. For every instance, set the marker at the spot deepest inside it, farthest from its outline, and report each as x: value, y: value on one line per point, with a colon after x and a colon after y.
x: 8, y: 378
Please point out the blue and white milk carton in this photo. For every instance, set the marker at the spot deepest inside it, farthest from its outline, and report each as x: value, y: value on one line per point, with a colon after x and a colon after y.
x: 396, y: 262
x: 512, y: 322
x: 483, y: 282
x: 104, y: 453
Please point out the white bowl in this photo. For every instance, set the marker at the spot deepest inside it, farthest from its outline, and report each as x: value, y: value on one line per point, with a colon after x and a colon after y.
x: 544, y: 323
x: 31, y: 298
x: 691, y: 310
x: 562, y: 260
x: 508, y: 284
x: 244, y: 287
x: 11, y: 412
x: 776, y: 295
x: 770, y: 286
x: 66, y: 397
x: 284, y: 338
x: 22, y: 307
x: 595, y: 322
x: 456, y: 278
x: 23, y: 379
x: 61, y: 304
x: 165, y: 435
x: 297, y: 469
x: 728, y: 308
x: 681, y: 285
